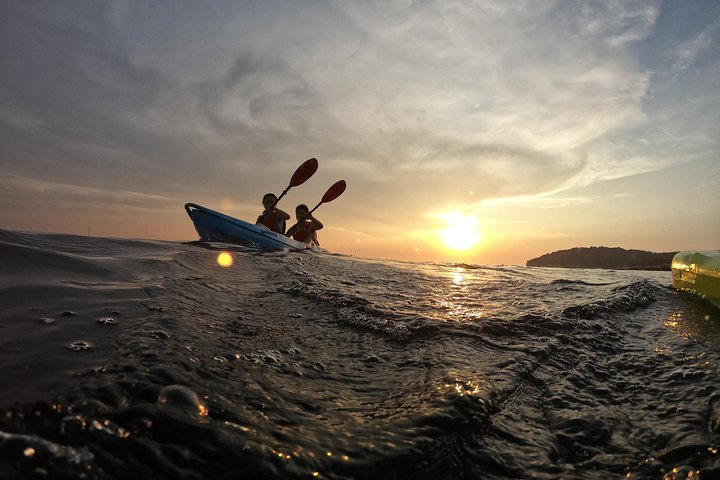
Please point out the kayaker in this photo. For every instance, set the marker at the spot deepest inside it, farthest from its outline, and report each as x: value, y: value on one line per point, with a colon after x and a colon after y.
x: 305, y: 230
x: 272, y: 217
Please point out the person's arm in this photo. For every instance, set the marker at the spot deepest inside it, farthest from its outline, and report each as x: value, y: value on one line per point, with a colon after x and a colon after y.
x: 261, y: 217
x: 282, y: 215
x: 291, y: 231
x: 315, y: 223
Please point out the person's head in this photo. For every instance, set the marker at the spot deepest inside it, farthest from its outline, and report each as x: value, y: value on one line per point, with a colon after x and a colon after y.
x: 269, y: 199
x: 302, y: 211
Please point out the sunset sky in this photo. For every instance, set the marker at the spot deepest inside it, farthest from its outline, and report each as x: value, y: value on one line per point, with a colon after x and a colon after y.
x: 505, y: 129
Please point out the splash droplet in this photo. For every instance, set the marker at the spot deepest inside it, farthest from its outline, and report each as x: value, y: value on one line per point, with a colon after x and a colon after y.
x: 80, y: 346
x: 184, y: 398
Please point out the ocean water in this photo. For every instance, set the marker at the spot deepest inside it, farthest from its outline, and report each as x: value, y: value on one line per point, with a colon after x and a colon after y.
x: 142, y: 359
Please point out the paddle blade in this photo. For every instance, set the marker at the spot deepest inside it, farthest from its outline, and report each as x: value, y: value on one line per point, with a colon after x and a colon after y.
x: 304, y: 171
x: 335, y: 191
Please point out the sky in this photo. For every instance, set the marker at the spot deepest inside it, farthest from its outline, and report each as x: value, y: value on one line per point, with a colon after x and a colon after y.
x: 485, y: 131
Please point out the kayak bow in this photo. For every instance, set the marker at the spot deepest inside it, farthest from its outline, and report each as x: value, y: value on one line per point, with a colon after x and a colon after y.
x: 698, y: 272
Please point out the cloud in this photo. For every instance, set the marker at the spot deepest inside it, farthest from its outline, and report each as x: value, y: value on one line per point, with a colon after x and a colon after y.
x: 616, y: 22
x: 427, y: 98
x: 687, y: 53
x: 74, y: 195
x: 451, y: 85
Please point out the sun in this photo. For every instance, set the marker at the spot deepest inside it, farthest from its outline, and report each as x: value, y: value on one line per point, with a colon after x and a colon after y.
x: 462, y: 231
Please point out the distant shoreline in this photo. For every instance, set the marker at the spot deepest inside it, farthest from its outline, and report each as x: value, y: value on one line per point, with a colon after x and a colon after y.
x: 614, y: 258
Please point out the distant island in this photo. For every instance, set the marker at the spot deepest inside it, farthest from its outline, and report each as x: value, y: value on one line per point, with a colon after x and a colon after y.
x: 604, y: 257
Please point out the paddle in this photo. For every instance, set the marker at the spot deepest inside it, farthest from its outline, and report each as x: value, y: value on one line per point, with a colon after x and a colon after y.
x: 332, y: 193
x: 301, y: 175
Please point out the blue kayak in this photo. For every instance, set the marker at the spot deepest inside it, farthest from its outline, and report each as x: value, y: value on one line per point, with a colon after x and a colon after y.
x: 214, y: 226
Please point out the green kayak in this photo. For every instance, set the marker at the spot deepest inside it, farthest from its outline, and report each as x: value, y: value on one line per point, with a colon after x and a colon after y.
x: 698, y: 272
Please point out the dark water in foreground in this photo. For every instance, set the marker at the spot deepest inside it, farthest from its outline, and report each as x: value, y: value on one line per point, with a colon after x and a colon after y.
x: 137, y: 359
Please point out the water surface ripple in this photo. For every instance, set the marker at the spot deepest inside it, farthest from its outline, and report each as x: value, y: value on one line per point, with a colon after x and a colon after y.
x: 139, y: 359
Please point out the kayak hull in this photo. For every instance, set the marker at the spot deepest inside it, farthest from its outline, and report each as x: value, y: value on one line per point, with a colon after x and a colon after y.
x: 698, y: 272
x: 214, y: 226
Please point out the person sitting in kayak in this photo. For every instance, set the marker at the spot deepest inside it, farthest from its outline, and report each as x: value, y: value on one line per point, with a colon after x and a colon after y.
x: 305, y: 230
x: 272, y: 217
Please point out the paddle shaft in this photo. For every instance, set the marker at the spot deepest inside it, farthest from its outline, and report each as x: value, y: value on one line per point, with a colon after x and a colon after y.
x: 303, y: 172
x: 332, y: 193
x: 269, y: 209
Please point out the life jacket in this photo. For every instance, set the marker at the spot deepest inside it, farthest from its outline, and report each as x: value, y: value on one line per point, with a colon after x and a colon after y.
x: 303, y: 233
x: 269, y: 221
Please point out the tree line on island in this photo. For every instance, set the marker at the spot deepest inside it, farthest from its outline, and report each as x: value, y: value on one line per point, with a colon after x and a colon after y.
x: 605, y: 257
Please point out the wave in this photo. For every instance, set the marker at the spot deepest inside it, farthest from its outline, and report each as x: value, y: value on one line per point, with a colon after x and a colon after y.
x: 565, y: 281
x: 288, y: 365
x: 624, y: 298
x: 38, y: 258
